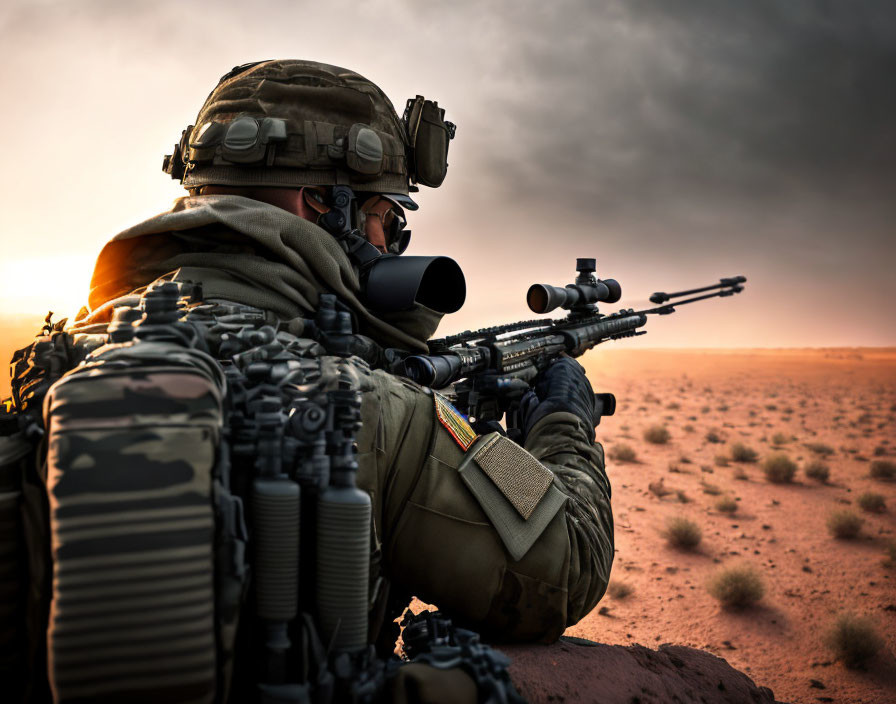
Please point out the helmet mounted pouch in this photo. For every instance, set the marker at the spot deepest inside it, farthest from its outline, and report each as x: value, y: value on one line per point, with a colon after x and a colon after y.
x: 207, y: 136
x: 428, y: 137
x: 246, y: 139
x: 364, y: 155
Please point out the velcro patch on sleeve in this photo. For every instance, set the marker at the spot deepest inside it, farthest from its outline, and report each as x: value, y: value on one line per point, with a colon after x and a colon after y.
x: 454, y: 422
x: 519, y: 476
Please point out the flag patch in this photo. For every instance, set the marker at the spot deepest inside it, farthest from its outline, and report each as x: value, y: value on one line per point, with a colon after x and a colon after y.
x: 454, y: 422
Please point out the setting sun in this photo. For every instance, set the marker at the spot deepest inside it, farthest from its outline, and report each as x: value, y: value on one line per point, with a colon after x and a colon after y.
x: 36, y: 285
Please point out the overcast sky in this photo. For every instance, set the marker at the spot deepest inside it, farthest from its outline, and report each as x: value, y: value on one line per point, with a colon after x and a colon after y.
x: 676, y: 141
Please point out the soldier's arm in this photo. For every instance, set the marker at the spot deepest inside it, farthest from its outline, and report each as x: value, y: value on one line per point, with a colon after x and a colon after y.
x: 562, y: 442
x: 439, y: 538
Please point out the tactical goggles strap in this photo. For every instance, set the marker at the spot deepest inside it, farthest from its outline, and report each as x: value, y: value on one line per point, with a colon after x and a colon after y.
x: 338, y: 222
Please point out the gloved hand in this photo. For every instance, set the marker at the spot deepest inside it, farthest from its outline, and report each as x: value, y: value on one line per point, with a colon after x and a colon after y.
x: 561, y: 387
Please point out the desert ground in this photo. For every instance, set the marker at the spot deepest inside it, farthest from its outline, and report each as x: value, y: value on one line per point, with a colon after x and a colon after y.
x: 833, y: 408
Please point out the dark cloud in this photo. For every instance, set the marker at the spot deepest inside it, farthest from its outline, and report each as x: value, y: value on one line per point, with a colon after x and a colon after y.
x: 639, y: 106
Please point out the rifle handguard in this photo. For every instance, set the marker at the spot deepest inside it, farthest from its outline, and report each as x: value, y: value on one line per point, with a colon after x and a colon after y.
x: 439, y: 370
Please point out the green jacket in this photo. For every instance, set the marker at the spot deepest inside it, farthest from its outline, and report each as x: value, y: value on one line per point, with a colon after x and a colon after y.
x: 438, y: 543
x: 435, y: 540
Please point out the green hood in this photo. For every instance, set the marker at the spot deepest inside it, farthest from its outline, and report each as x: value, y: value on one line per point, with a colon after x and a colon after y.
x: 249, y: 252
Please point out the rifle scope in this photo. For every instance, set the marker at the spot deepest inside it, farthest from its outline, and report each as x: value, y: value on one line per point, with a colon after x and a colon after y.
x: 586, y: 291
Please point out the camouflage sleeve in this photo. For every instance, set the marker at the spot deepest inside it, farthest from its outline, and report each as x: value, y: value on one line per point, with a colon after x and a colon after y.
x: 562, y: 442
x: 437, y: 540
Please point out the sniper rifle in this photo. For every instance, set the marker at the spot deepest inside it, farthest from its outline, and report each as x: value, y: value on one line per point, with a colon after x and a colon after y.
x: 486, y: 372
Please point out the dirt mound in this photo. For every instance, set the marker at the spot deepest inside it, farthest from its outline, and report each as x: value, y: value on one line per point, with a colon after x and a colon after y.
x: 577, y: 670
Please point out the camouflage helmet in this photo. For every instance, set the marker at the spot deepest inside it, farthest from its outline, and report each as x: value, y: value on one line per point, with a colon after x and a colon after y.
x: 303, y: 123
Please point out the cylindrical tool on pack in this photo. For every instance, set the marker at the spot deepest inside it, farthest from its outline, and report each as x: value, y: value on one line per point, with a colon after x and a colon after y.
x: 343, y: 535
x: 275, y: 503
x: 275, y: 506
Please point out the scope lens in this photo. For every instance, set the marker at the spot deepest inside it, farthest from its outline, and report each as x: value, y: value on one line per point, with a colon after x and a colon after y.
x: 537, y: 298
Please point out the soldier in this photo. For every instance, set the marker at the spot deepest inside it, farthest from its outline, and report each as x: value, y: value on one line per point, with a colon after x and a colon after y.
x: 288, y: 162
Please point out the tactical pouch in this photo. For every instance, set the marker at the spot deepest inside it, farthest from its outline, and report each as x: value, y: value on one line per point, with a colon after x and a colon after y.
x: 131, y: 450
x: 514, y: 489
x: 428, y: 137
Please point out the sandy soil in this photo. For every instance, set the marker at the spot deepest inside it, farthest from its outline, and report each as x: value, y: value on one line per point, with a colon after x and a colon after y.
x: 844, y: 399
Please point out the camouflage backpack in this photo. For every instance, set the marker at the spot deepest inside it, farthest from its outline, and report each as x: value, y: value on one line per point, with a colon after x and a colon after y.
x: 182, y: 519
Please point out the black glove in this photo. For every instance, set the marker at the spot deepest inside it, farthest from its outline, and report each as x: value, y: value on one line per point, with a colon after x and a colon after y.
x: 562, y: 387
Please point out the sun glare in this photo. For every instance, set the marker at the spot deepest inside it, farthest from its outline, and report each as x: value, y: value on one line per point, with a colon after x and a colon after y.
x: 36, y: 285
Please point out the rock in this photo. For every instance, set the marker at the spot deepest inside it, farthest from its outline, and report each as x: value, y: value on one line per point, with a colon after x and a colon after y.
x: 574, y: 669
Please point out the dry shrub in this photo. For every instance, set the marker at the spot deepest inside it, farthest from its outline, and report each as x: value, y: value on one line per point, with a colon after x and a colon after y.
x: 779, y: 468
x: 682, y: 497
x: 819, y: 448
x: 780, y: 439
x: 683, y: 533
x: 727, y: 504
x: 890, y: 560
x: 872, y: 503
x: 711, y: 489
x: 620, y: 590
x: 853, y: 639
x: 623, y: 453
x: 818, y: 471
x: 659, y: 489
x: 688, y: 428
x: 743, y: 453
x: 721, y: 460
x: 737, y: 587
x: 657, y: 434
x: 713, y: 436
x: 845, y: 524
x: 883, y: 469
x: 740, y: 473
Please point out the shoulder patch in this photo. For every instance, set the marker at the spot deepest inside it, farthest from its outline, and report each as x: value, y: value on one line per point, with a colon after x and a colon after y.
x: 454, y: 422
